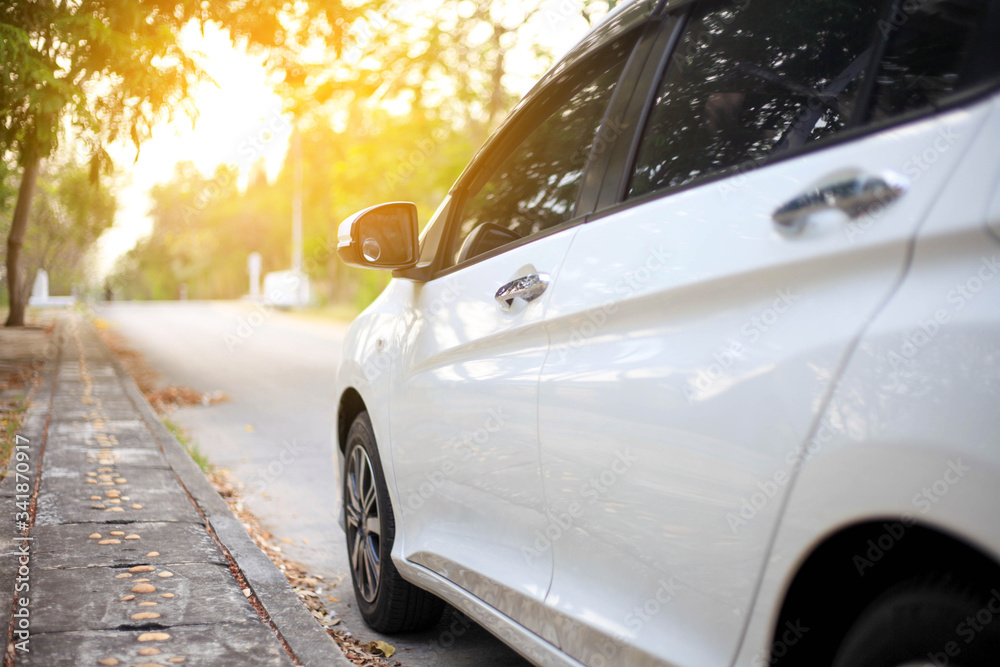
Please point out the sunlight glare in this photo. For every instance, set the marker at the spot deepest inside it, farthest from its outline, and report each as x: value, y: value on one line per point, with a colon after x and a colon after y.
x: 239, y: 121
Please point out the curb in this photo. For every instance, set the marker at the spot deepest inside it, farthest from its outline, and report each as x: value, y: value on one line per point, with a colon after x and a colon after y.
x: 308, y: 641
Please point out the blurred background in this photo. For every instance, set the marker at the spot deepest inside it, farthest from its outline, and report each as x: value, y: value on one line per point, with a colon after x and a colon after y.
x: 151, y: 147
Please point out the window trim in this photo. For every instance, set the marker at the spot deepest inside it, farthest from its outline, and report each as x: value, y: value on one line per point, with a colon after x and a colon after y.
x: 619, y: 170
x: 613, y: 192
x: 862, y: 112
x: 522, y: 121
x: 555, y: 229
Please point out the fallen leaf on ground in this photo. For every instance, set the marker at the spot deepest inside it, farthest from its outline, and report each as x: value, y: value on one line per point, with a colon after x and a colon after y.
x: 165, y: 400
x: 381, y: 648
x: 357, y: 652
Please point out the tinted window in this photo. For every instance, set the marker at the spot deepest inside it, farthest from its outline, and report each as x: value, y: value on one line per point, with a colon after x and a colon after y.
x: 750, y: 79
x: 930, y: 44
x: 536, y: 186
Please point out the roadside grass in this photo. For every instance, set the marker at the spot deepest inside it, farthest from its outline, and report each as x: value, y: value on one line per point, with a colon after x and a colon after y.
x: 11, y: 420
x: 21, y: 363
x: 189, y: 444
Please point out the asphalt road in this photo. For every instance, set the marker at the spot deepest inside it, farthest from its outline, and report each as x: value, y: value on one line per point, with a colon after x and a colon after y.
x: 275, y: 436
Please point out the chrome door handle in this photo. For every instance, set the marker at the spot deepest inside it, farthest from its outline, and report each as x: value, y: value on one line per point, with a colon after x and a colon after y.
x: 529, y: 288
x: 854, y: 195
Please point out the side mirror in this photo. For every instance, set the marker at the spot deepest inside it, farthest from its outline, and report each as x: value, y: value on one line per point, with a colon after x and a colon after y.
x: 380, y: 237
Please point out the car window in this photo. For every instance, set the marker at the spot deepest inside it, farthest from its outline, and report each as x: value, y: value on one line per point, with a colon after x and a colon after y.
x: 535, y: 186
x: 929, y: 48
x: 750, y: 79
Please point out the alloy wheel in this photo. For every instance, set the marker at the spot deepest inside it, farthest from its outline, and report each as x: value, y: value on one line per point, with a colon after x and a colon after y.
x: 363, y: 526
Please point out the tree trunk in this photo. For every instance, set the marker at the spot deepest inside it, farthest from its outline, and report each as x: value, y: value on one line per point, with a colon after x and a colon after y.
x: 18, y: 228
x: 495, y: 103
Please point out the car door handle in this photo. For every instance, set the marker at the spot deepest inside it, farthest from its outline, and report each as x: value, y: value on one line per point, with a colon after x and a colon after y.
x: 528, y: 287
x: 854, y: 195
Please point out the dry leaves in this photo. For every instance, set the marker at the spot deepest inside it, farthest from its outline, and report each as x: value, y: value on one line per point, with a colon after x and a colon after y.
x: 165, y: 400
x: 381, y: 648
x: 162, y: 400
x: 308, y: 587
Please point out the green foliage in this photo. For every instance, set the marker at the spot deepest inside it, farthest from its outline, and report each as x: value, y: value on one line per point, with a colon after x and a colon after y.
x: 117, y: 66
x: 204, y: 228
x: 11, y: 420
x: 112, y: 69
x: 71, y: 211
x: 441, y: 70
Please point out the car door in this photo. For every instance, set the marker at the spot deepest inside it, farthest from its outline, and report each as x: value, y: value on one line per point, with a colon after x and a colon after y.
x: 700, y: 320
x: 464, y: 394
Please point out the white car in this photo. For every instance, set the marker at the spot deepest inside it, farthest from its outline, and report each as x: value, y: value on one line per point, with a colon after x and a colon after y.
x: 698, y: 363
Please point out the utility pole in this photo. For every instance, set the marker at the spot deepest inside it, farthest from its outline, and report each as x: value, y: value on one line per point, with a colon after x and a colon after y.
x: 254, y: 264
x: 297, y: 201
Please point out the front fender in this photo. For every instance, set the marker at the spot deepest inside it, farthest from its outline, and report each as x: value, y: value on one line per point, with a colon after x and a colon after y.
x: 370, y: 348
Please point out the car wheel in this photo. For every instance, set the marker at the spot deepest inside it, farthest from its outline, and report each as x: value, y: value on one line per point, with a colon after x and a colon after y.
x: 387, y: 602
x: 925, y: 622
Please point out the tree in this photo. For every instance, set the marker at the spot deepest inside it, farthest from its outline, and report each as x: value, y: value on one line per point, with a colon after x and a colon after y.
x: 447, y: 62
x: 71, y: 211
x: 396, y: 115
x: 112, y: 69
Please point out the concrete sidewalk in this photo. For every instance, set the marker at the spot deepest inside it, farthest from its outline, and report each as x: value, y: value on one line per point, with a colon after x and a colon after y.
x: 115, y: 548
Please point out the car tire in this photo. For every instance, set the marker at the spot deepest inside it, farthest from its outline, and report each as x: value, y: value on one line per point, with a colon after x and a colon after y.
x: 387, y: 602
x: 925, y: 621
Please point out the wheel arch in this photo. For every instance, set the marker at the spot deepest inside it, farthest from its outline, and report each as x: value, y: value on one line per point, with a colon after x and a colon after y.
x: 850, y: 568
x: 351, y: 405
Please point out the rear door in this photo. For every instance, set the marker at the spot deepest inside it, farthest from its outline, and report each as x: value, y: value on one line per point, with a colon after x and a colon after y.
x: 700, y: 319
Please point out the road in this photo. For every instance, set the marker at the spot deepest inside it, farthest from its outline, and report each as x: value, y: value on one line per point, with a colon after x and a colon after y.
x: 275, y: 436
